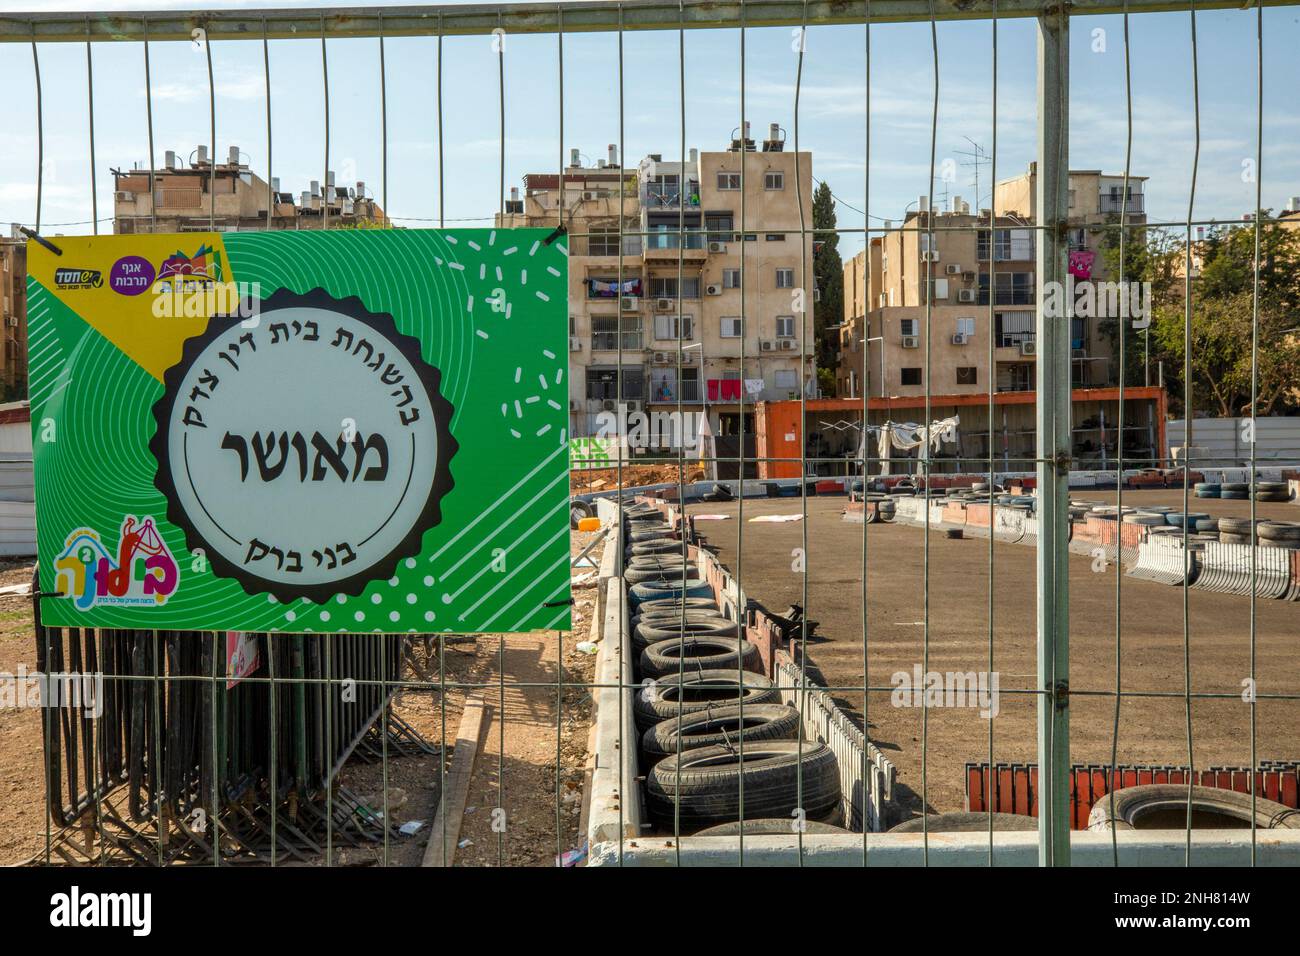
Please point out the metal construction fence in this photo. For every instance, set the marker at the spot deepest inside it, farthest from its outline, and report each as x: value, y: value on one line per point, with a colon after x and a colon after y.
x: 174, y: 738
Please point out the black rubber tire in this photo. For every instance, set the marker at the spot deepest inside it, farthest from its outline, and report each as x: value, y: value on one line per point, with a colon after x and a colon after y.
x: 696, y: 653
x: 1234, y: 486
x: 965, y: 822
x: 1235, y: 495
x: 1207, y: 525
x: 1228, y: 538
x: 662, y: 546
x: 1280, y: 497
x: 670, y: 560
x: 702, y: 690
x: 1163, y: 806
x: 654, y: 590
x: 703, y: 785
x: 770, y: 826
x: 580, y: 509
x: 720, y: 726
x: 672, y: 604
x: 662, y: 574
x: 1272, y: 487
x: 656, y: 632
x: 1280, y: 530
x: 1241, y: 526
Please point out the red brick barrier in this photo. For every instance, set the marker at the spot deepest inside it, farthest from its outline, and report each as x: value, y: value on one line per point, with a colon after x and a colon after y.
x: 1014, y: 787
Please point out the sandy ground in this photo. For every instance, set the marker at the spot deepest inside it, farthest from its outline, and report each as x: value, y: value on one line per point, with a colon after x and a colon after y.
x: 1150, y: 648
x: 529, y: 728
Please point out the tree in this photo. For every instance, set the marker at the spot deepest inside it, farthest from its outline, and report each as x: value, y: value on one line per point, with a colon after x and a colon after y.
x: 828, y: 273
x: 1222, y: 314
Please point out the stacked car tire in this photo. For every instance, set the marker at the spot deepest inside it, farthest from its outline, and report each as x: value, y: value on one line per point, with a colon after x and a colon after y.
x: 712, y: 726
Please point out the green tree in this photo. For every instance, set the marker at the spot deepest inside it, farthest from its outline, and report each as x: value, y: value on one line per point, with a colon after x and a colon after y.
x: 1222, y: 314
x: 828, y: 273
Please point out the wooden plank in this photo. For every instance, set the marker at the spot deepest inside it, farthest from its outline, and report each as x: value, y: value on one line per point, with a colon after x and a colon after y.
x: 451, y: 808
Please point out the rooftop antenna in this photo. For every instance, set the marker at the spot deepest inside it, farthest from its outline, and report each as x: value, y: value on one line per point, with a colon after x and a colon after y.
x: 975, y: 158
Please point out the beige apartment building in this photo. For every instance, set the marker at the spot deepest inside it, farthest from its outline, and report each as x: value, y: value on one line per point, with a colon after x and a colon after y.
x: 696, y: 278
x: 953, y: 262
x: 185, y: 192
x: 13, y: 314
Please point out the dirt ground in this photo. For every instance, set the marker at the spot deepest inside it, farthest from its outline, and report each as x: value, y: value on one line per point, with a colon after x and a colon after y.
x: 529, y: 729
x: 1150, y: 648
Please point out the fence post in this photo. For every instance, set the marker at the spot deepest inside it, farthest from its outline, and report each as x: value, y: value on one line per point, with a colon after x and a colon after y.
x: 1053, y: 443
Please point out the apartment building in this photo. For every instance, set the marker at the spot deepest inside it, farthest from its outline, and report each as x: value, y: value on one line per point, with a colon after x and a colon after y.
x: 184, y: 193
x: 693, y: 240
x: 953, y: 265
x: 13, y: 314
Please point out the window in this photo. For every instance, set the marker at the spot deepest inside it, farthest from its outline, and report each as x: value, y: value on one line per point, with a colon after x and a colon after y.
x: 774, y: 180
x: 911, y: 376
x: 966, y: 327
x: 967, y: 375
x: 909, y: 326
x: 602, y: 383
x: 731, y: 327
x: 1013, y: 288
x: 665, y: 287
x: 719, y: 226
x: 1013, y: 328
x: 786, y: 378
x: 1008, y: 245
x: 666, y: 327
x: 775, y: 237
x: 785, y: 326
x: 785, y: 278
x: 603, y: 241
x: 731, y: 278
x: 728, y: 180
x: 604, y: 333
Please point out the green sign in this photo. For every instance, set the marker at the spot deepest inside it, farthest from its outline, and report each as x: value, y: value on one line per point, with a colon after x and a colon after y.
x: 308, y: 431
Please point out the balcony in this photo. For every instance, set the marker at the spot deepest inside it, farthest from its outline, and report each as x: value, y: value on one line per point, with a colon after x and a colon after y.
x: 1114, y: 203
x: 670, y: 244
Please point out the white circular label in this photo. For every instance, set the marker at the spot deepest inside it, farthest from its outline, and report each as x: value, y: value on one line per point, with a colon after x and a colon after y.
x: 303, y: 452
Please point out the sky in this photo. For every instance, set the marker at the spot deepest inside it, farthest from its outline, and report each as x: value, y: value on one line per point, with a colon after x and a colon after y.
x: 831, y: 120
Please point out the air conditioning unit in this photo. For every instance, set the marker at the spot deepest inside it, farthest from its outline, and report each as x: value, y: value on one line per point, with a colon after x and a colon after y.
x: 789, y: 345
x: 633, y: 405
x: 952, y: 269
x: 965, y: 295
x: 662, y: 358
x: 575, y: 344
x: 767, y: 345
x: 911, y: 341
x: 929, y: 256
x: 713, y: 289
x: 717, y: 247
x: 665, y: 305
x: 688, y: 358
x: 12, y: 321
x: 630, y: 303
x: 123, y: 195
x: 1028, y: 347
x: 609, y: 405
x: 960, y: 338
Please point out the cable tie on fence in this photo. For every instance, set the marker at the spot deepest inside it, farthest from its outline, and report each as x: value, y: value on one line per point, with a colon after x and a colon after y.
x: 558, y: 603
x: 555, y: 234
x: 33, y: 235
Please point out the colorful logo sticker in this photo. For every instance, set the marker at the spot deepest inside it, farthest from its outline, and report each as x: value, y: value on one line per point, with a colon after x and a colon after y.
x: 78, y: 278
x: 143, y: 573
x: 130, y: 275
x: 204, y: 266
